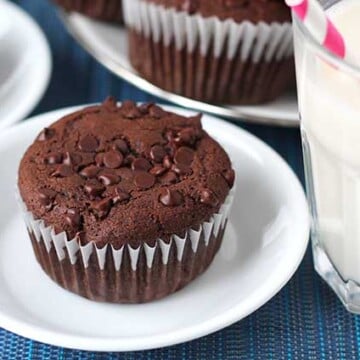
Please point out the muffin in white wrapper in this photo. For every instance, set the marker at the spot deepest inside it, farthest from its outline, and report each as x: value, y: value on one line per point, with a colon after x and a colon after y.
x: 125, y: 203
x: 126, y: 275
x: 208, y: 58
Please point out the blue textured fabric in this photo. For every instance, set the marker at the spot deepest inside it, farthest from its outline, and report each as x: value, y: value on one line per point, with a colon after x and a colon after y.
x: 304, y: 321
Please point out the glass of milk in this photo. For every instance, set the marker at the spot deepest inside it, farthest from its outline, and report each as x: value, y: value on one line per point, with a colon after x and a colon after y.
x: 329, y: 104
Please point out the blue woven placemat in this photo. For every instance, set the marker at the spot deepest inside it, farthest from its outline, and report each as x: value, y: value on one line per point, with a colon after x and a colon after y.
x: 304, y: 321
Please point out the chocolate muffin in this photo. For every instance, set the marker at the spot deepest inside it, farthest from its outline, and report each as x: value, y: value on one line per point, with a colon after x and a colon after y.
x: 235, y: 52
x: 105, y: 10
x: 125, y: 204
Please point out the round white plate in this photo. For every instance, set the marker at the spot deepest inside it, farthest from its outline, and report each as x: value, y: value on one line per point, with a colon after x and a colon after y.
x: 108, y: 44
x: 25, y: 64
x: 264, y: 243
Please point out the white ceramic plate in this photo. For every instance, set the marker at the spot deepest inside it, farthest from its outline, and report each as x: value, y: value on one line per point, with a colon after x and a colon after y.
x: 263, y: 246
x: 108, y: 44
x: 25, y: 64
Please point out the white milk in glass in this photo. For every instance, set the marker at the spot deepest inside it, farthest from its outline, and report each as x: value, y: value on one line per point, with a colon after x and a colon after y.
x: 330, y: 112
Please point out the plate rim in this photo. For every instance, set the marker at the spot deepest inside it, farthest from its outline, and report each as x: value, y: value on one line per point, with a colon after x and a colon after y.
x: 220, y: 321
x: 177, y: 100
x: 37, y: 92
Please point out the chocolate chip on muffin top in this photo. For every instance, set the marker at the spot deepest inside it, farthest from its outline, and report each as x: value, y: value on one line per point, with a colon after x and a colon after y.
x: 124, y: 174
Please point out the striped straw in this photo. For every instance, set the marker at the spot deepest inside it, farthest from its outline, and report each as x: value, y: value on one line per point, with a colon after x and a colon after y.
x: 319, y: 25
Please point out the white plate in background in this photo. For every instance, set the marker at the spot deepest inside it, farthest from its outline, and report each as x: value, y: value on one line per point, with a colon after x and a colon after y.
x: 25, y: 64
x: 108, y: 44
x: 263, y: 245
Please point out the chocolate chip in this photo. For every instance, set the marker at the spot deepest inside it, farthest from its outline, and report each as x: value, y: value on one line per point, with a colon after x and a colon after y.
x: 144, y: 180
x: 181, y: 169
x: 129, y: 160
x: 144, y: 108
x: 46, y: 134
x: 94, y: 188
x: 170, y: 197
x: 46, y: 198
x: 113, y: 159
x: 132, y: 114
x: 63, y: 171
x: 156, y: 111
x: 99, y: 159
x: 170, y: 135
x: 109, y: 179
x: 184, y: 156
x: 110, y: 103
x: 90, y: 172
x: 121, y: 196
x: 121, y: 145
x: 141, y: 164
x: 157, y: 170
x: 130, y: 110
x: 186, y: 137
x: 167, y: 163
x: 157, y: 153
x: 169, y: 178
x: 53, y: 158
x: 171, y: 148
x: 88, y: 143
x: 73, y: 218
x: 101, y: 208
x: 207, y: 197
x: 229, y: 176
x: 72, y: 159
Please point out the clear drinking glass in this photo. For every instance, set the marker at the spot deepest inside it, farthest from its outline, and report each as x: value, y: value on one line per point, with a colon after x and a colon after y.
x: 329, y: 104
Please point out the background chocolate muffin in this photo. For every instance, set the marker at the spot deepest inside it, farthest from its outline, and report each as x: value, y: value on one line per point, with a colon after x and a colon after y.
x: 106, y: 10
x: 125, y: 203
x: 237, y: 52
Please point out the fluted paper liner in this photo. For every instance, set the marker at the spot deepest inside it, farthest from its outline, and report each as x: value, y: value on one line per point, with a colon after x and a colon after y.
x: 164, y: 40
x: 61, y: 257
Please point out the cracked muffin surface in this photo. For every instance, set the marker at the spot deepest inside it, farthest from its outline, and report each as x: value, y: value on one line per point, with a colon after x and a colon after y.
x: 124, y: 174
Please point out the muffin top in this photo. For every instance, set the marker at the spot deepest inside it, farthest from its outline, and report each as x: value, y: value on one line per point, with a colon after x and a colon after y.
x: 238, y: 10
x: 124, y: 174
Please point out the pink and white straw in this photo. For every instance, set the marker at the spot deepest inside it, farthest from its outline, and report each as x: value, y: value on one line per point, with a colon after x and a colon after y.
x: 319, y: 25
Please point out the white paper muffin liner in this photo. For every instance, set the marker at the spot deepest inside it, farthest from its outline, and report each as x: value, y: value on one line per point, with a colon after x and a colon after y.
x: 70, y: 253
x: 257, y: 41
x: 154, y: 26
